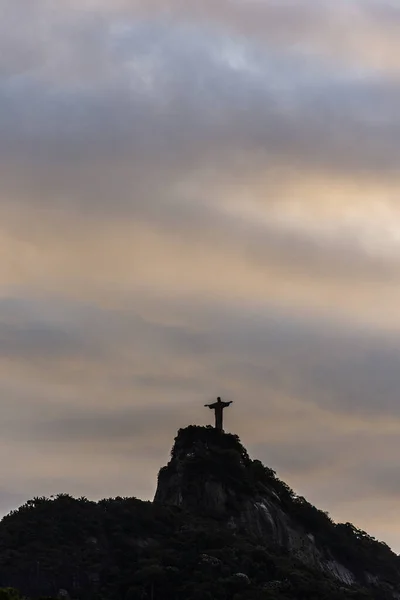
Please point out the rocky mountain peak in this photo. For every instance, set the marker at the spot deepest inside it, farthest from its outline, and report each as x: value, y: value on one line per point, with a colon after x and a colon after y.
x: 211, y: 473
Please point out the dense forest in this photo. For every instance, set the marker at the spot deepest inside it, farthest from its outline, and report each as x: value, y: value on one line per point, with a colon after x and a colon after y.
x: 127, y: 549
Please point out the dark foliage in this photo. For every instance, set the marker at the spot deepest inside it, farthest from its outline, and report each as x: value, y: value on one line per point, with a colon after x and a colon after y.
x: 127, y: 549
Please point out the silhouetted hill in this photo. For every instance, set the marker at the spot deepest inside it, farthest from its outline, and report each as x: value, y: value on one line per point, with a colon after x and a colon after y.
x: 222, y: 526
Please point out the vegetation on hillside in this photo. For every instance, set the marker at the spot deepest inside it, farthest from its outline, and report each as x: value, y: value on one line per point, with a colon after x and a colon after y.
x: 127, y: 549
x: 221, y: 456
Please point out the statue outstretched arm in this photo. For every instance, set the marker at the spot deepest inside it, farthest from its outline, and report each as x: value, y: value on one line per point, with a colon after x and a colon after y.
x: 213, y: 405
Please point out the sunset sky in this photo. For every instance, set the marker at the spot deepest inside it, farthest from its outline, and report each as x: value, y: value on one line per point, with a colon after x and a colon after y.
x: 201, y: 198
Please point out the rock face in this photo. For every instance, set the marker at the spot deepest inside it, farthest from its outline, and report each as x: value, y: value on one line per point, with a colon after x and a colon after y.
x: 211, y: 473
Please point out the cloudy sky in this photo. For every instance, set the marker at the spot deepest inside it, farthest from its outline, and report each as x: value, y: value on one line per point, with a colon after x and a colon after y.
x: 201, y: 199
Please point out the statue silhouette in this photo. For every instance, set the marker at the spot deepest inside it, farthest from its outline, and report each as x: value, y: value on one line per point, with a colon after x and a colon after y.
x: 218, y: 408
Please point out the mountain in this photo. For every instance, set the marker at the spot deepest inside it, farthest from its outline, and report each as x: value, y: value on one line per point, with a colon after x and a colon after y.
x: 221, y: 526
x: 211, y: 473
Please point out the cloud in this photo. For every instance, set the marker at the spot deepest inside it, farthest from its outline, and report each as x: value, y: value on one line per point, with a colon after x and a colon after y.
x: 368, y: 30
x: 219, y: 92
x: 184, y: 139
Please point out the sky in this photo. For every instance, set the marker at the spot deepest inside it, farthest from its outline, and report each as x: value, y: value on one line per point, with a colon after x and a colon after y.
x: 201, y: 199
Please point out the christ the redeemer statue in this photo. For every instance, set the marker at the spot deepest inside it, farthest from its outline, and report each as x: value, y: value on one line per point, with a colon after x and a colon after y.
x: 218, y: 408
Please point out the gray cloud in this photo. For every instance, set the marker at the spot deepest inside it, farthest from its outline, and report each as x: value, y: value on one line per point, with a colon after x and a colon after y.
x: 350, y: 371
x: 117, y: 141
x: 106, y: 426
x: 26, y: 337
x: 151, y: 95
